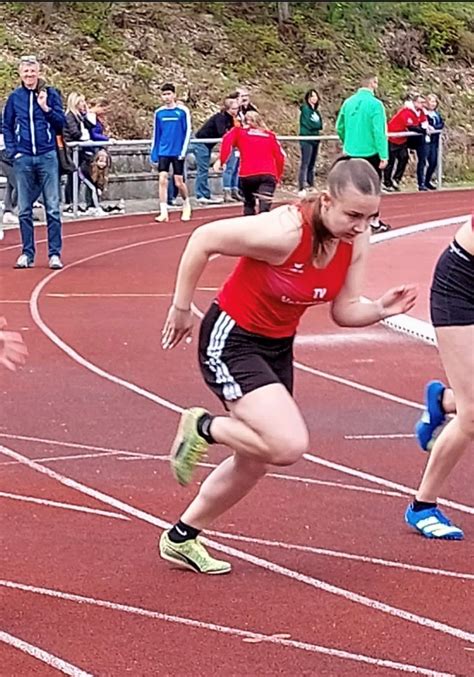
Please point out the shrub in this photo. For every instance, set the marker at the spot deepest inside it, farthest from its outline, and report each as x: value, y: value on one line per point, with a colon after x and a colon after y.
x: 442, y: 31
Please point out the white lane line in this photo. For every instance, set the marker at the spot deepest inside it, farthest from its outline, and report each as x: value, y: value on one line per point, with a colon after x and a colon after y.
x: 72, y: 445
x: 382, y: 481
x: 13, y: 302
x: 342, y: 555
x: 419, y: 227
x: 276, y: 638
x: 107, y: 296
x: 65, y: 506
x: 75, y: 355
x: 91, y: 232
x: 43, y: 656
x: 358, y: 386
x: 130, y: 456
x: 293, y: 575
x: 384, y: 436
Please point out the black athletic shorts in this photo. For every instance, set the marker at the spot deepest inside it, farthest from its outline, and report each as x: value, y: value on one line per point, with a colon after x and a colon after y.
x: 452, y: 289
x: 165, y: 162
x: 235, y: 362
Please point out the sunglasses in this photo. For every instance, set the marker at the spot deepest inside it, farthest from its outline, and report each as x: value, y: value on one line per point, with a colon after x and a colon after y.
x: 29, y: 59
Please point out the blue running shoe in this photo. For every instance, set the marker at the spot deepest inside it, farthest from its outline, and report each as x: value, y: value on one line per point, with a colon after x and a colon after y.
x: 431, y: 523
x: 433, y: 416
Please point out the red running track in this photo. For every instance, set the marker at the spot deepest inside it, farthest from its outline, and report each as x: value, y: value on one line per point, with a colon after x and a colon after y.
x: 327, y: 578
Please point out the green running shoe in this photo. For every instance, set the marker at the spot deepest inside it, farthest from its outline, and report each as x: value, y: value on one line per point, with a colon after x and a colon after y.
x: 192, y: 555
x: 188, y: 447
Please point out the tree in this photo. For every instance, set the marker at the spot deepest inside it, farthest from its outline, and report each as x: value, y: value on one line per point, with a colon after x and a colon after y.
x: 283, y: 12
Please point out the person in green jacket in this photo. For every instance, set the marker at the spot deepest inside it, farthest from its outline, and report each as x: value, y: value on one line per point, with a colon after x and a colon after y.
x: 311, y: 124
x: 362, y: 127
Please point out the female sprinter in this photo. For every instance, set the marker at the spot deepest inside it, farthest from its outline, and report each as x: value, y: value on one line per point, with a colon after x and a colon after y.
x: 293, y: 257
x: 262, y: 161
x: 452, y: 314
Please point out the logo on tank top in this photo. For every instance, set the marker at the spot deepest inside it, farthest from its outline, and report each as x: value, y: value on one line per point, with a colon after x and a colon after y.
x: 297, y: 268
x: 319, y: 294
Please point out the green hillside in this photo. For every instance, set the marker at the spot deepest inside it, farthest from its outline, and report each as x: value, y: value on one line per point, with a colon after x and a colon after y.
x: 125, y: 50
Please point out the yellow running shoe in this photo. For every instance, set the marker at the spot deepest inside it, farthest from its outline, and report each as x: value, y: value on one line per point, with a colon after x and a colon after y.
x: 192, y: 555
x: 188, y: 447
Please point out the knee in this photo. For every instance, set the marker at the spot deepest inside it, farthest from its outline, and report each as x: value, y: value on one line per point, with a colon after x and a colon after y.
x: 466, y: 421
x: 289, y: 447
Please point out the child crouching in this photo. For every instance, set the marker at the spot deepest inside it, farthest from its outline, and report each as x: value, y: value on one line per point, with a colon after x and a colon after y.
x: 94, y: 173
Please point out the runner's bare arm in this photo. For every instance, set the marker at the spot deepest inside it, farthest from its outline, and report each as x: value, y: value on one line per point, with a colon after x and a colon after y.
x: 349, y: 311
x: 267, y: 237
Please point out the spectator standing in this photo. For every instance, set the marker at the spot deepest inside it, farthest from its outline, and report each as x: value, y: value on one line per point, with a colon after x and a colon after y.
x: 410, y: 118
x: 436, y: 124
x: 246, y: 105
x: 77, y: 129
x: 10, y: 199
x: 261, y: 161
x: 311, y: 124
x: 362, y: 127
x: 97, y: 116
x: 214, y: 128
x: 171, y: 134
x: 33, y: 117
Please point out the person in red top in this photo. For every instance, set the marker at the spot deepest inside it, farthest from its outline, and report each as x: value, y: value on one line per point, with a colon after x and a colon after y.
x: 292, y: 258
x: 411, y: 118
x: 262, y: 161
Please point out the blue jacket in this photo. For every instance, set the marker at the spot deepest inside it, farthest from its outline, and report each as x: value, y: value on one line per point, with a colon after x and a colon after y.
x: 436, y: 121
x: 27, y: 129
x: 171, y: 133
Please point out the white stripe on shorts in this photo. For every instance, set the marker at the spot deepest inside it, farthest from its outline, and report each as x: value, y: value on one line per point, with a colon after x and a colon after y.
x: 220, y: 332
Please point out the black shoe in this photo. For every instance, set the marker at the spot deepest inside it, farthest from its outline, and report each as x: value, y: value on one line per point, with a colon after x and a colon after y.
x: 422, y: 189
x: 431, y: 186
x: 380, y: 227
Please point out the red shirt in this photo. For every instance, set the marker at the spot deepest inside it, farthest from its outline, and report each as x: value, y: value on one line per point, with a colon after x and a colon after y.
x: 260, y: 151
x: 270, y: 300
x: 401, y: 121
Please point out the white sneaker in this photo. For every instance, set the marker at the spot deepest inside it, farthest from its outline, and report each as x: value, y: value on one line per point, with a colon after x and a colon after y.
x: 24, y: 262
x: 9, y: 219
x: 204, y: 200
x: 186, y: 213
x: 302, y: 193
x: 55, y: 262
x: 2, y: 234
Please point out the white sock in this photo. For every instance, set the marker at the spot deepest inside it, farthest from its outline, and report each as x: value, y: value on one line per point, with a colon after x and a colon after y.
x: 163, y: 208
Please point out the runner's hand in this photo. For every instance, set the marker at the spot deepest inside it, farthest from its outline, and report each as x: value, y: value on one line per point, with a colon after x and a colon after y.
x: 13, y: 351
x: 398, y: 300
x: 218, y: 167
x: 178, y: 325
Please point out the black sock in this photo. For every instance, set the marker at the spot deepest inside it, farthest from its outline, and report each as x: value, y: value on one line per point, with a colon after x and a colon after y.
x: 204, y: 427
x: 418, y: 506
x: 182, y: 532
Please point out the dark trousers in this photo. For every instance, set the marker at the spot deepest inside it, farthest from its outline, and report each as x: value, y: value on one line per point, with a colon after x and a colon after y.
x: 397, y: 163
x: 261, y: 187
x: 309, y: 154
x: 432, y: 150
x: 420, y: 150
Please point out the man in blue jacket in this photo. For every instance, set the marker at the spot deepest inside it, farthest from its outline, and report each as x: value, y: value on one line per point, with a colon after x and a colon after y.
x: 32, y: 118
x: 171, y: 134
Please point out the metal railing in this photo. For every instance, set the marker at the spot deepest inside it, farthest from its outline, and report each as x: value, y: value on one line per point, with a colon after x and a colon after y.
x: 146, y: 143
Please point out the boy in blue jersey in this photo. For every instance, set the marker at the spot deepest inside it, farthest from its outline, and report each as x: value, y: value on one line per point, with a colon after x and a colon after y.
x: 171, y: 135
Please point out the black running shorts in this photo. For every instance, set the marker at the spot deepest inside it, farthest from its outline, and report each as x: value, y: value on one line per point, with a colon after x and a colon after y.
x: 165, y: 162
x: 452, y: 289
x: 235, y: 362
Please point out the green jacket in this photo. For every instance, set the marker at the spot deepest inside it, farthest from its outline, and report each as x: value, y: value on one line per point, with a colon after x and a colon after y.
x: 362, y: 125
x: 311, y: 122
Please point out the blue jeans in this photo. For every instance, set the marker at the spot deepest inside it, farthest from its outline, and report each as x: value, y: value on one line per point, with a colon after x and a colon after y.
x: 309, y: 154
x: 432, y: 150
x: 230, y: 177
x: 202, y: 153
x: 36, y: 174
